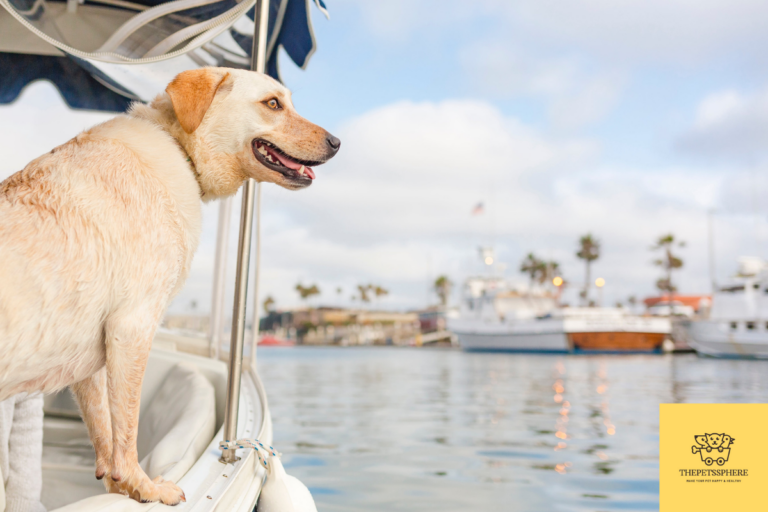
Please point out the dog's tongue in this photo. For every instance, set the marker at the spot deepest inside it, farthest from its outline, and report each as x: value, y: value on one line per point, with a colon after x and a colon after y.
x: 294, y: 165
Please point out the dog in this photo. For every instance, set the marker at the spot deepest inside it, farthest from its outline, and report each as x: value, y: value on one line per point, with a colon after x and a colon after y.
x: 97, y: 237
x: 714, y: 440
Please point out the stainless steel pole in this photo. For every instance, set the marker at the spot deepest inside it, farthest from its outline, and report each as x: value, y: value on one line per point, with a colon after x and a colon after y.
x: 258, y: 63
x: 220, y: 276
x: 256, y: 272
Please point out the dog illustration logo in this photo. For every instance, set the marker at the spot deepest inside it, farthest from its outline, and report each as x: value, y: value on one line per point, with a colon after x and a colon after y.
x: 713, y: 448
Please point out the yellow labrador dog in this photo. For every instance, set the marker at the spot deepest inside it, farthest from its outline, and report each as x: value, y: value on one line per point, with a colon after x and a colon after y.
x: 96, y: 238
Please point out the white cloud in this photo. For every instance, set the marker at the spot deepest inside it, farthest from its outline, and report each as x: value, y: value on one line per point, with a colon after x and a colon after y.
x: 399, y: 20
x: 574, y: 56
x: 394, y: 207
x: 587, y: 103
x: 679, y: 31
x: 730, y: 125
x: 664, y: 30
x: 575, y: 97
x: 411, y: 169
x: 502, y: 69
x: 717, y: 108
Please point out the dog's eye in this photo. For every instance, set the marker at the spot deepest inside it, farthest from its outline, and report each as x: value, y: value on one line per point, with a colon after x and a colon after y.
x: 273, y: 104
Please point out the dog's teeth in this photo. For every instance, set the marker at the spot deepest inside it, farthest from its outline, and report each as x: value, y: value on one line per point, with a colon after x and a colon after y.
x: 262, y: 150
x: 301, y: 170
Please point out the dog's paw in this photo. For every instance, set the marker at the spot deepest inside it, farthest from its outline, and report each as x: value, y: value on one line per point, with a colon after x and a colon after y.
x: 147, y: 490
x: 102, y: 469
x: 111, y: 485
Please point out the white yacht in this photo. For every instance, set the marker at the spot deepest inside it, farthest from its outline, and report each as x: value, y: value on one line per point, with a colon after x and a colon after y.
x: 496, y: 315
x: 738, y: 321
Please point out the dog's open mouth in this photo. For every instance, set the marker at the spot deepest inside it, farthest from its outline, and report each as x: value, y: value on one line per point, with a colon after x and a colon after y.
x: 278, y: 160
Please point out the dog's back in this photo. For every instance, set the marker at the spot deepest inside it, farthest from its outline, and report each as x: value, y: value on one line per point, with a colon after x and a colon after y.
x: 80, y: 231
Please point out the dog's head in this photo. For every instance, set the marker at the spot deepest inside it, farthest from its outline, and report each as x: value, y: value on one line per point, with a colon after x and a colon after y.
x: 714, y: 440
x: 242, y: 122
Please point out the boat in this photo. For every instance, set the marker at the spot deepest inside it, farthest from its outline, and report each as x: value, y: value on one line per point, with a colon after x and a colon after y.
x: 273, y: 341
x: 496, y: 315
x: 737, y: 326
x: 203, y: 421
x: 183, y: 405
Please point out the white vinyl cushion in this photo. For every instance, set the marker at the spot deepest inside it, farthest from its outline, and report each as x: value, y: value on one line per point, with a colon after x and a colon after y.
x: 178, y: 424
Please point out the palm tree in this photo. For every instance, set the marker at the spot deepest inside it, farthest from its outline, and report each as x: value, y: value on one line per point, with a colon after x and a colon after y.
x: 378, y: 291
x: 364, y: 289
x: 305, y: 292
x: 532, y: 266
x: 442, y: 288
x: 549, y: 269
x: 589, y: 251
x: 269, y: 303
x: 668, y: 262
x: 339, y: 291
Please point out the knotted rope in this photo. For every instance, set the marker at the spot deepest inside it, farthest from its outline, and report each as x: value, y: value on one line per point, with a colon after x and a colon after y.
x: 251, y: 443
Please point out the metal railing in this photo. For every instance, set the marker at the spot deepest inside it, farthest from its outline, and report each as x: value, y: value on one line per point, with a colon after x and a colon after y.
x: 258, y: 63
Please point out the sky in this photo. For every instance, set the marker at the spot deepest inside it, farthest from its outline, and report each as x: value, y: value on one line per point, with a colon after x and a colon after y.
x: 627, y: 120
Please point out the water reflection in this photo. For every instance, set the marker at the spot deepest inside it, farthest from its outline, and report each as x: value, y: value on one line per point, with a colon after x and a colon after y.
x: 425, y: 429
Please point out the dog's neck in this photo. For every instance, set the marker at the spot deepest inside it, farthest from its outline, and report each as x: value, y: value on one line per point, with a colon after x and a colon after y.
x: 219, y: 175
x: 193, y: 167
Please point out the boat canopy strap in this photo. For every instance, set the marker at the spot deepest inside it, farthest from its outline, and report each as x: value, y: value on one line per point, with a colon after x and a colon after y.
x: 132, y: 49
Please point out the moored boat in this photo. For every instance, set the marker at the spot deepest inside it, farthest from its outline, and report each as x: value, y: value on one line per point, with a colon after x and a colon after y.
x: 498, y: 316
x: 738, y: 321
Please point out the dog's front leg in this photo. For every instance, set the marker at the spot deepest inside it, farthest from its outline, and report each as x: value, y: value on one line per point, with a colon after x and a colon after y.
x: 91, y: 396
x: 127, y: 355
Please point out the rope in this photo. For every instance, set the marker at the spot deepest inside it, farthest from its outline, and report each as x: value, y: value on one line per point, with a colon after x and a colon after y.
x: 251, y: 443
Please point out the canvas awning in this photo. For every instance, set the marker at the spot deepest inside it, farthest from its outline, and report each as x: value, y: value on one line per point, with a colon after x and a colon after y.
x: 102, y: 54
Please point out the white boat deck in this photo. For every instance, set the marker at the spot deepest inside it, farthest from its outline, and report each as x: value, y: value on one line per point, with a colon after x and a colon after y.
x: 69, y: 483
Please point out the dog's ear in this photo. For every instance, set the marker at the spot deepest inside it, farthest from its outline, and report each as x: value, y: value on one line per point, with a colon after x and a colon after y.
x: 192, y: 93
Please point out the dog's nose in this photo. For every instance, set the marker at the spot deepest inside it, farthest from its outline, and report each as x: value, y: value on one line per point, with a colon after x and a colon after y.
x: 333, y: 142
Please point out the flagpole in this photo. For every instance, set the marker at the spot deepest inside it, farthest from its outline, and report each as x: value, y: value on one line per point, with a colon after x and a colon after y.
x: 258, y: 63
x: 711, y: 248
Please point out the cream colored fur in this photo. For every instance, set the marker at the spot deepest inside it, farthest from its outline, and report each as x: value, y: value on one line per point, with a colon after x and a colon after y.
x: 97, y: 236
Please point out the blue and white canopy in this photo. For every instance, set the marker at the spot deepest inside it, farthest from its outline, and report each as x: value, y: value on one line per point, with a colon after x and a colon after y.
x: 102, y: 54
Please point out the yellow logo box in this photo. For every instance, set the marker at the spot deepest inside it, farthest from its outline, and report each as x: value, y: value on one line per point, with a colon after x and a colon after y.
x: 713, y: 457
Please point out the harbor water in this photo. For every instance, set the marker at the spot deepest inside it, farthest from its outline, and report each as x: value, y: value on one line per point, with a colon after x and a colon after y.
x: 398, y: 429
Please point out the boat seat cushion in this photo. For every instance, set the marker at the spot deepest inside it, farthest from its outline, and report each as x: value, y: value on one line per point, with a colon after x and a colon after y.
x: 178, y: 424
